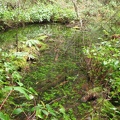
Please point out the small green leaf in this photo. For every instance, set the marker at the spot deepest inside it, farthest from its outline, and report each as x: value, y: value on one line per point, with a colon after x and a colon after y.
x: 17, y: 111
x: 16, y: 76
x: 51, y: 111
x: 20, y: 84
x: 4, y: 116
x: 62, y: 110
x: 42, y: 37
x: 31, y: 97
x: 23, y: 91
x: 33, y: 91
x: 45, y: 112
x: 39, y: 113
x: 7, y: 88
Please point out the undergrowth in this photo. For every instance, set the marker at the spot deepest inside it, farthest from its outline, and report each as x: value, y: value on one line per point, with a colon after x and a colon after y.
x: 27, y: 91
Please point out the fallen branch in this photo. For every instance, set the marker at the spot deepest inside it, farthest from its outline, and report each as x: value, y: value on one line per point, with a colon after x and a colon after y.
x: 48, y: 84
x: 57, y: 99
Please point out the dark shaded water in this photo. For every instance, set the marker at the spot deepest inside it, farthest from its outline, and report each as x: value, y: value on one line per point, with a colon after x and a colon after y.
x: 64, y: 54
x: 32, y: 31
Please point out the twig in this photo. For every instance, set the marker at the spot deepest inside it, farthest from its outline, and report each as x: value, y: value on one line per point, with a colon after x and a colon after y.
x: 6, y: 99
x: 23, y: 111
x: 57, y: 99
x: 33, y: 114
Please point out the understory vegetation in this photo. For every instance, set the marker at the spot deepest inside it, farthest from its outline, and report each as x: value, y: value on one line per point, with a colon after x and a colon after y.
x: 27, y: 12
x: 50, y: 71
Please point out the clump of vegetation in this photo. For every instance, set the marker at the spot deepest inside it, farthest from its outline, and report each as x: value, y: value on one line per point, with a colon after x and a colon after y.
x: 37, y: 12
x: 102, y: 65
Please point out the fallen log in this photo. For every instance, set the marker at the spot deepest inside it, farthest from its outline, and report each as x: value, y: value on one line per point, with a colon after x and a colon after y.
x: 45, y: 85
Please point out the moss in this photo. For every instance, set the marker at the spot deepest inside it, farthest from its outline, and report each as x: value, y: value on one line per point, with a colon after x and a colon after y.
x: 20, y: 62
x: 43, y: 46
x: 41, y: 37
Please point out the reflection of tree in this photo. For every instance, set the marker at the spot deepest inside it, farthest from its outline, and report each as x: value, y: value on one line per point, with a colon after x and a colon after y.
x: 77, y: 12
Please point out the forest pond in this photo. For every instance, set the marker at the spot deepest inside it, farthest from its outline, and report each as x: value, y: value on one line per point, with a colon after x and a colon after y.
x: 57, y: 73
x: 61, y: 57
